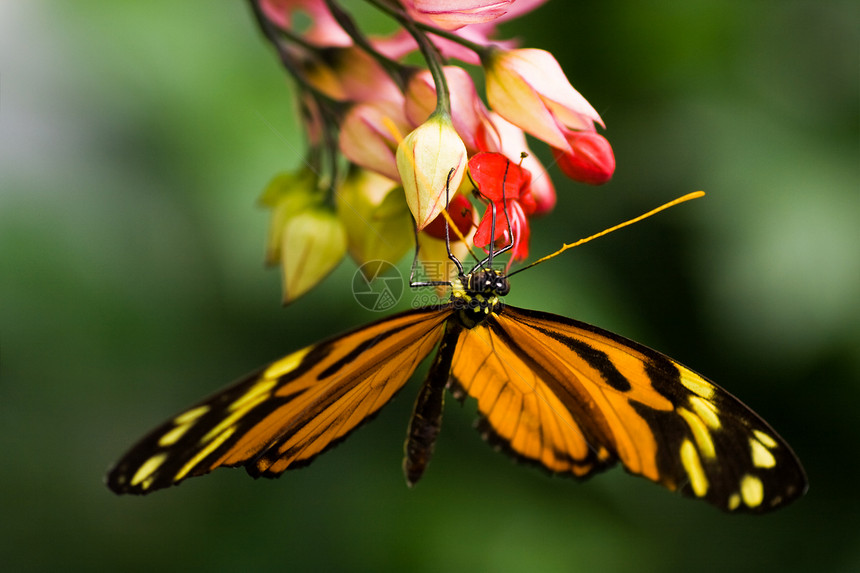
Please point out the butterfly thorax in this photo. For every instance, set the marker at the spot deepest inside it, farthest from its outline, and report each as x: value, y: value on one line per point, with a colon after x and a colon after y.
x: 477, y: 295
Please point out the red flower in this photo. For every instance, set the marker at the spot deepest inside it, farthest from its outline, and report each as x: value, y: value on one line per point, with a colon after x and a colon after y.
x: 461, y: 212
x: 591, y: 160
x: 505, y: 185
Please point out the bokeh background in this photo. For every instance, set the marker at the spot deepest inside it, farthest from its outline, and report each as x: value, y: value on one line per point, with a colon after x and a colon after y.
x: 134, y: 141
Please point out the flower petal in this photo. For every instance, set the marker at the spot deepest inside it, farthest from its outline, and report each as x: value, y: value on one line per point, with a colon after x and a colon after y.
x: 426, y: 158
x: 591, y: 159
x: 314, y: 242
x: 468, y: 112
x: 528, y: 88
x: 374, y: 213
x: 366, y: 140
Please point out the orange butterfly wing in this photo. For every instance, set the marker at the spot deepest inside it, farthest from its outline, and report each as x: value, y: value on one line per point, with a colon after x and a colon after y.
x: 574, y: 399
x: 288, y: 412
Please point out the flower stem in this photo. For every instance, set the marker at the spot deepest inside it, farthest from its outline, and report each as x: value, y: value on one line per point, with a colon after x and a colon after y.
x: 430, y: 53
x: 394, y: 69
x: 399, y: 14
x: 329, y: 110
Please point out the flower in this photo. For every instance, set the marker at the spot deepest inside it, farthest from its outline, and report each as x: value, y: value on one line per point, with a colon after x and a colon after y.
x: 528, y: 88
x: 366, y: 139
x: 454, y: 14
x: 323, y: 30
x: 352, y: 88
x: 285, y: 195
x: 514, y: 146
x: 350, y: 74
x: 431, y: 161
x: 305, y: 236
x: 591, y: 160
x: 461, y: 212
x: 374, y: 213
x: 505, y: 185
x: 313, y: 243
x: 468, y: 113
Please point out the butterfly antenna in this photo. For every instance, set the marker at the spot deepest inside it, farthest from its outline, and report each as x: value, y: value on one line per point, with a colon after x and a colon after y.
x: 678, y: 201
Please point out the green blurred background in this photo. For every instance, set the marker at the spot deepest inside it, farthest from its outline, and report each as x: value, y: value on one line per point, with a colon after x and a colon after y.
x: 134, y: 141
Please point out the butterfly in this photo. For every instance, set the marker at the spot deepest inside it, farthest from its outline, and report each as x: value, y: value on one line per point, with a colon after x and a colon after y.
x: 569, y: 397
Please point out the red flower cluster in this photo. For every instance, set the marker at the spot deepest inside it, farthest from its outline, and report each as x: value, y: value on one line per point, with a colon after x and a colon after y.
x: 418, y: 130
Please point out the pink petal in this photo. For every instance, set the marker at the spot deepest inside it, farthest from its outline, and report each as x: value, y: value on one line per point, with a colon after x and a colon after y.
x: 540, y: 70
x: 454, y: 14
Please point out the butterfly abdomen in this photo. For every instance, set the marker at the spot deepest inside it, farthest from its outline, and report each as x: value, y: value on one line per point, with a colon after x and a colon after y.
x: 426, y: 418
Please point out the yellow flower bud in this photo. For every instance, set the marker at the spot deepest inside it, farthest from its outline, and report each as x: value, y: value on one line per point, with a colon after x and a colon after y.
x: 425, y: 158
x: 312, y: 244
x: 375, y: 216
x: 287, y: 194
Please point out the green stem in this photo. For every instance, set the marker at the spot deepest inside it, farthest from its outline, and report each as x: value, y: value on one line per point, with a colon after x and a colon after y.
x: 399, y: 14
x: 330, y: 110
x: 394, y: 69
x: 431, y: 57
x: 274, y: 35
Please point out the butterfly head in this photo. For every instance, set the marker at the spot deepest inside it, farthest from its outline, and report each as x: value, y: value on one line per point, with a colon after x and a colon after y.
x: 477, y: 295
x: 488, y: 282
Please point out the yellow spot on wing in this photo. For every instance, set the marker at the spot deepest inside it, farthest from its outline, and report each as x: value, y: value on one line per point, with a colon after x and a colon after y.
x: 253, y: 395
x: 695, y: 383
x: 700, y: 433
x: 706, y: 411
x: 203, y: 453
x: 734, y: 501
x: 173, y: 435
x: 258, y: 393
x: 183, y: 422
x: 761, y: 456
x: 693, y: 467
x: 147, y: 468
x: 190, y: 415
x: 286, y: 364
x: 764, y: 439
x: 752, y: 491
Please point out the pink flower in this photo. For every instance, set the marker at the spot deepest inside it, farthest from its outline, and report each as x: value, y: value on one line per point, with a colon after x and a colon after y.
x: 473, y: 20
x: 528, y: 88
x: 366, y: 138
x: 323, y: 29
x: 454, y: 14
x: 350, y: 74
x: 591, y: 159
x: 402, y: 43
x: 513, y: 146
x: 468, y: 112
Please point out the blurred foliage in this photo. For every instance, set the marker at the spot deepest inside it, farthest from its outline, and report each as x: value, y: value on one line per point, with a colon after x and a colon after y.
x: 134, y: 140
